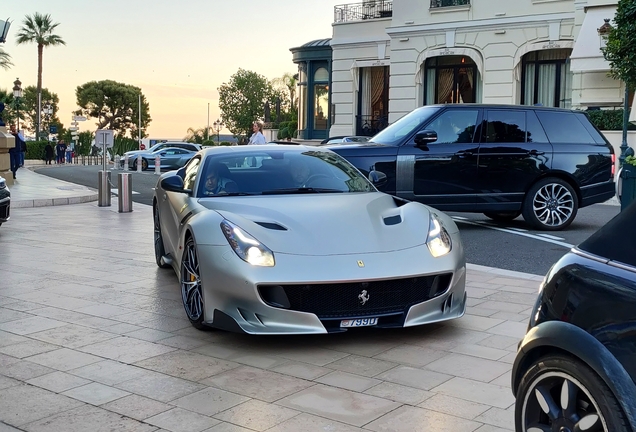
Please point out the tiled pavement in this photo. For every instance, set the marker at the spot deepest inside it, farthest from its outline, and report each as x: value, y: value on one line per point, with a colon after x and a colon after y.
x: 93, y: 337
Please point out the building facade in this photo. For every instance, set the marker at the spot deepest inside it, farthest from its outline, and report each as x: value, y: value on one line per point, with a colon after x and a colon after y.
x: 389, y: 57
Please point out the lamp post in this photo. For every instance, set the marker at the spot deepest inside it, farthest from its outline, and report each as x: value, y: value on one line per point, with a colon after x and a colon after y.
x: 217, y: 127
x: 48, y: 111
x: 17, y: 94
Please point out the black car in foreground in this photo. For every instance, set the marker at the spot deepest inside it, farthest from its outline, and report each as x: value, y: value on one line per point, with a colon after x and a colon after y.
x: 5, y: 201
x: 500, y: 160
x: 575, y: 369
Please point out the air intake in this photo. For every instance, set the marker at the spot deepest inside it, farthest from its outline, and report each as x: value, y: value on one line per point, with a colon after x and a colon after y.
x: 272, y: 226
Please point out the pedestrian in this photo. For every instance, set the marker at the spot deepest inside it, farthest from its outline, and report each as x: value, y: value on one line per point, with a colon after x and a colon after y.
x: 61, y: 149
x: 48, y: 153
x: 257, y: 137
x: 14, y: 152
x: 23, y: 148
x: 69, y: 153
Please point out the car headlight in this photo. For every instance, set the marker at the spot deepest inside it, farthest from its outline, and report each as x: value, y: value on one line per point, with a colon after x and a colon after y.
x: 3, y: 183
x: 438, y: 241
x: 247, y: 247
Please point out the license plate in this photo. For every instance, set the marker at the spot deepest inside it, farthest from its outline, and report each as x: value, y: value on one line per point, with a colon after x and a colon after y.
x: 363, y: 322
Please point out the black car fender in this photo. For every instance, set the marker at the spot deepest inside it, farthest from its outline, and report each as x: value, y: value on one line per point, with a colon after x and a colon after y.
x: 564, y: 337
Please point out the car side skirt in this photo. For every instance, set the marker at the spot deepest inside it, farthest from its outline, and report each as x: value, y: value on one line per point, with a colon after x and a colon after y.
x: 564, y: 337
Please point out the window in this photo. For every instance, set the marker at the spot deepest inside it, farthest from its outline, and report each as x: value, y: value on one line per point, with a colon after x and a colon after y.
x: 546, y: 78
x: 535, y: 130
x: 191, y: 170
x: 506, y: 127
x: 455, y: 126
x: 564, y: 128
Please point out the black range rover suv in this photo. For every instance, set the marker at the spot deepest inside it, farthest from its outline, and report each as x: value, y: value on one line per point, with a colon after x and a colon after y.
x: 500, y: 160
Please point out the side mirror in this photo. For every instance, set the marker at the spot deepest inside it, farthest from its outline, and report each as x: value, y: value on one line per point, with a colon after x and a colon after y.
x: 378, y: 178
x: 425, y: 137
x: 173, y: 183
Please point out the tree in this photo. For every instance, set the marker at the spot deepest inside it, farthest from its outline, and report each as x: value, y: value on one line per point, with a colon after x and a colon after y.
x: 115, y: 106
x: 197, y: 136
x: 289, y: 82
x: 620, y: 49
x: 29, y: 109
x: 5, y: 60
x: 39, y: 29
x: 242, y: 101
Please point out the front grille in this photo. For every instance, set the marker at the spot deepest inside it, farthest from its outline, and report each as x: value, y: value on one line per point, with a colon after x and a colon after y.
x: 346, y: 299
x: 4, y: 211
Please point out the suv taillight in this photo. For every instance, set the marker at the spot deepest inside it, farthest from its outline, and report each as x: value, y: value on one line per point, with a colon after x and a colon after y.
x: 613, y: 165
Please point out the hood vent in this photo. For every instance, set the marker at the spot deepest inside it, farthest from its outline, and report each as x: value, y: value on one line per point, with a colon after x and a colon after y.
x: 392, y: 220
x: 271, y: 225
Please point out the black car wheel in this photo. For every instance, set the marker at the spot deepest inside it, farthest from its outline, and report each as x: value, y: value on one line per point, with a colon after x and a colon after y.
x: 144, y: 164
x: 550, y: 204
x: 134, y: 167
x: 191, y: 290
x: 559, y: 393
x: 502, y: 216
x: 160, y: 251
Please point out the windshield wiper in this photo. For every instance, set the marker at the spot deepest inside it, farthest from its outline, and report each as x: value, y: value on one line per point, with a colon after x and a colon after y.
x: 300, y: 190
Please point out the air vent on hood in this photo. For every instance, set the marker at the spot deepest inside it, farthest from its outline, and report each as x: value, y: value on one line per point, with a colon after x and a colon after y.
x: 271, y: 225
x: 392, y: 220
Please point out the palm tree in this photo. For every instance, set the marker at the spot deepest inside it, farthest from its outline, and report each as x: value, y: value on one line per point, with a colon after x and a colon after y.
x: 289, y: 81
x: 39, y: 29
x: 5, y: 59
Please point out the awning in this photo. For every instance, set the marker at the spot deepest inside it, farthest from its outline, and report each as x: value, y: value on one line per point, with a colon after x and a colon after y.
x: 587, y: 55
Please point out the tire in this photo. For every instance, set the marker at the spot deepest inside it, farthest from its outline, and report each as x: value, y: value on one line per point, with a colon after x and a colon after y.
x: 144, y: 165
x: 134, y: 167
x: 160, y: 250
x: 588, y: 396
x: 550, y: 205
x: 502, y: 216
x: 191, y: 289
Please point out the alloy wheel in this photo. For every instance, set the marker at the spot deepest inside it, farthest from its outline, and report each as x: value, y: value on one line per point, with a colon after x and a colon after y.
x: 556, y: 402
x: 191, y: 292
x: 553, y: 205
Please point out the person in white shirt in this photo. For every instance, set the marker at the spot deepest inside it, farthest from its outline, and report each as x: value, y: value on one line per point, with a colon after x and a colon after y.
x: 257, y: 137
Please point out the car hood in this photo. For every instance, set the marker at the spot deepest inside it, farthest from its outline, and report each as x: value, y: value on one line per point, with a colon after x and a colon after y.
x: 327, y: 224
x: 336, y: 146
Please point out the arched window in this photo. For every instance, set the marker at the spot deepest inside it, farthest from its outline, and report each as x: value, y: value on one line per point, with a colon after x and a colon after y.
x: 321, y: 98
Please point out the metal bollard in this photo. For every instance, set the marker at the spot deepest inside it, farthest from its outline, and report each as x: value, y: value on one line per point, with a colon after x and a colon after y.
x: 158, y: 165
x: 124, y: 192
x: 103, y: 188
x: 125, y: 162
x: 139, y: 163
x: 117, y: 162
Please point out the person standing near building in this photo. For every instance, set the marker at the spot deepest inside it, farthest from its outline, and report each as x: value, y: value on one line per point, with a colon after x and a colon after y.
x: 48, y: 153
x: 257, y: 137
x: 60, y: 148
x: 14, y: 152
x: 69, y: 153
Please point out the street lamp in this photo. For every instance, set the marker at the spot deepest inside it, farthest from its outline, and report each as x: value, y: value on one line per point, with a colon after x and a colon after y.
x: 48, y: 111
x: 217, y: 127
x: 17, y: 94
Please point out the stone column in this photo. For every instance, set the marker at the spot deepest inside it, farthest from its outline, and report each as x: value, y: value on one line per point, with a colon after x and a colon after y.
x: 7, y: 141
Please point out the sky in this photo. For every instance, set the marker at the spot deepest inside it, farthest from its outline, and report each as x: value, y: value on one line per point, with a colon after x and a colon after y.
x: 177, y: 52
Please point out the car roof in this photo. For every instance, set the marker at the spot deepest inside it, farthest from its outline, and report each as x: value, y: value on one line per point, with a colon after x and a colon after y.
x: 501, y: 106
x: 299, y: 148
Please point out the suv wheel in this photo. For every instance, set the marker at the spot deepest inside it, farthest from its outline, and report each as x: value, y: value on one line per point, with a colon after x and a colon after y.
x: 560, y: 393
x: 550, y: 204
x: 502, y: 216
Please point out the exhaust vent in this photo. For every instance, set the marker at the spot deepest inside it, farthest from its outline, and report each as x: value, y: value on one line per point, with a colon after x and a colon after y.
x: 271, y: 225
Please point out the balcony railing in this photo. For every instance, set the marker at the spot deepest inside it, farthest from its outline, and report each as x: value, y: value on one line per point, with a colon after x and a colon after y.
x: 448, y: 3
x: 363, y: 11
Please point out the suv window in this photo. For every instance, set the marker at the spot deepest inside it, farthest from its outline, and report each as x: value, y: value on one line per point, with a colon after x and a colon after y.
x: 564, y: 128
x: 191, y: 170
x: 506, y: 126
x: 455, y: 126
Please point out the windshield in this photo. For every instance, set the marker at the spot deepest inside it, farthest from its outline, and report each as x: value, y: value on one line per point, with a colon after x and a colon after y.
x: 395, y: 133
x: 277, y: 172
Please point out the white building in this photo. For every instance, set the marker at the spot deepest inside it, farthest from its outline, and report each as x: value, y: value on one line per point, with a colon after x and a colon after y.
x: 389, y: 57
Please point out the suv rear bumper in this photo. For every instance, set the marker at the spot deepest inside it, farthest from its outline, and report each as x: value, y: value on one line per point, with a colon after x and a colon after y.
x: 597, y: 193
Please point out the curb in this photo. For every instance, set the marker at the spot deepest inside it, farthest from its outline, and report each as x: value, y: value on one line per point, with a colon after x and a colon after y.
x: 44, y: 202
x: 504, y: 272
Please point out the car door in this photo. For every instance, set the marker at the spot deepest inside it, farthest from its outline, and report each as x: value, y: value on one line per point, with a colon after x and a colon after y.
x: 442, y: 173
x: 514, y: 152
x: 184, y: 157
x: 170, y: 158
x: 176, y: 205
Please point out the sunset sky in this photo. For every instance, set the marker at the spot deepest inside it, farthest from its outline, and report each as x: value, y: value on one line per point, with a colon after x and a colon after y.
x: 177, y: 52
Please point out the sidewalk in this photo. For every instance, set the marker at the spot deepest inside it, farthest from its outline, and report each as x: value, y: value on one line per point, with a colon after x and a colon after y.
x: 93, y: 337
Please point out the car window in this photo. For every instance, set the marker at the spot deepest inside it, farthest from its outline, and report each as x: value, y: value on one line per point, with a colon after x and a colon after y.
x: 191, y: 170
x: 506, y: 126
x: 396, y: 132
x: 564, y: 128
x: 535, y: 130
x: 455, y: 126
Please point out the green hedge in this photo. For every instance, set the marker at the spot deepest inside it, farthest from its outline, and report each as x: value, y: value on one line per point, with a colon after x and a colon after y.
x: 35, y: 150
x: 225, y: 143
x: 287, y: 130
x: 608, y: 120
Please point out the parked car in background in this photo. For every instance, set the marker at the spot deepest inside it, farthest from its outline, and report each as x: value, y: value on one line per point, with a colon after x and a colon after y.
x: 500, y: 160
x: 575, y: 370
x: 302, y: 243
x: 5, y: 201
x: 132, y: 155
x: 345, y: 139
x: 170, y: 158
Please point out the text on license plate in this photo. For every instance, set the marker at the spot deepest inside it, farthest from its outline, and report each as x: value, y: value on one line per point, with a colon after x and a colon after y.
x: 363, y: 322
